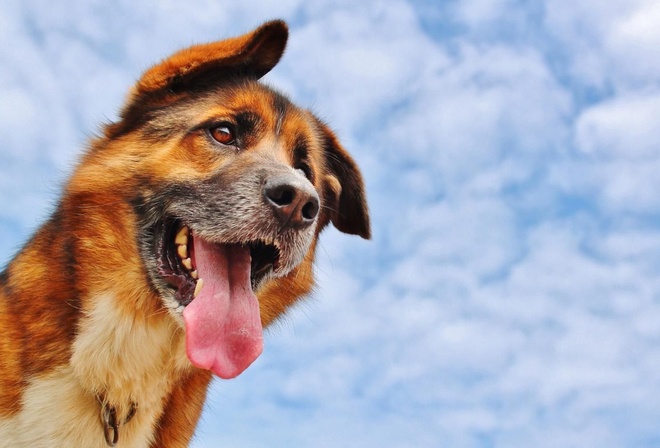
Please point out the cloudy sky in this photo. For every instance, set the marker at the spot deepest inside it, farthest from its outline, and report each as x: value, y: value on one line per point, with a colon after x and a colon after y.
x: 510, y: 296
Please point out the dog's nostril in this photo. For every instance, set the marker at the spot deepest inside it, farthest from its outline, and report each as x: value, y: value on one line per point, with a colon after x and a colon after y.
x: 310, y: 209
x: 281, y: 194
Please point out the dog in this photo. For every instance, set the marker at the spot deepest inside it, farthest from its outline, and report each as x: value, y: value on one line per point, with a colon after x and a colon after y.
x: 187, y: 226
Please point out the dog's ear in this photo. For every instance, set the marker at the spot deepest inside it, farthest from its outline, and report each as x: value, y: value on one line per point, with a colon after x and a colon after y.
x: 253, y: 55
x: 344, y: 188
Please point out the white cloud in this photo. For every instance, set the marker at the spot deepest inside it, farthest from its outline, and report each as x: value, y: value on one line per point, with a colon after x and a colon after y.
x: 620, y: 154
x: 457, y: 233
x: 634, y: 41
x: 487, y: 104
x: 622, y: 128
x: 608, y: 43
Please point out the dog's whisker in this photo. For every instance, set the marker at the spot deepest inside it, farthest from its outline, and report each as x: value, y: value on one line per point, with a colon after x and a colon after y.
x: 327, y: 207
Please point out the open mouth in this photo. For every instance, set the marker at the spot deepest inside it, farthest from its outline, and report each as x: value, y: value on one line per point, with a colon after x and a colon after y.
x: 214, y: 286
x: 177, y: 263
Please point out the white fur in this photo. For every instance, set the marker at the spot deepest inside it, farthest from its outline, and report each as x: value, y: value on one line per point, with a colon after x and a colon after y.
x: 126, y: 359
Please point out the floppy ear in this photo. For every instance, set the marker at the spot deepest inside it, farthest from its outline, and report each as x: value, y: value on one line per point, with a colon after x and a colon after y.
x: 345, y: 187
x: 253, y: 54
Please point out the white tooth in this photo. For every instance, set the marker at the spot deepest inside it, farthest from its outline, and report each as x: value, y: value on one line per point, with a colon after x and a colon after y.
x: 182, y: 251
x: 187, y: 263
x: 194, y: 275
x: 182, y: 236
x: 198, y: 287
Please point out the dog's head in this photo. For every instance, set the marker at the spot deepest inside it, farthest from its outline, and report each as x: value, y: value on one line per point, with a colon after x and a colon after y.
x: 231, y: 185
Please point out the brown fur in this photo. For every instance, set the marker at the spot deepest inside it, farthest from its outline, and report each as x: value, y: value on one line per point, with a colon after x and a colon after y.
x: 80, y: 308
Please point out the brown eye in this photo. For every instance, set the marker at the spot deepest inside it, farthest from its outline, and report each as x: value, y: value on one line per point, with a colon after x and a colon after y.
x: 223, y: 133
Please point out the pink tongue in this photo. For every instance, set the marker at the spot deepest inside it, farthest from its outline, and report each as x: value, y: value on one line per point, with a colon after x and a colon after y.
x: 223, y: 325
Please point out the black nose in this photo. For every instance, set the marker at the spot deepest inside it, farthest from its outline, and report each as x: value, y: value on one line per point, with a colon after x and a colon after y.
x: 294, y: 201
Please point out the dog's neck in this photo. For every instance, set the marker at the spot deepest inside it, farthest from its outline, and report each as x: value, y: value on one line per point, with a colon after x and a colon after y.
x: 132, y: 363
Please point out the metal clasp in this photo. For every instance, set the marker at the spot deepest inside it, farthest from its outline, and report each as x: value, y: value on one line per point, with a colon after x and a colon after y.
x: 110, y: 426
x: 110, y: 423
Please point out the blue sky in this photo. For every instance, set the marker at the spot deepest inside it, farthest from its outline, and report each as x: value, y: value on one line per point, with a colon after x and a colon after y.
x: 510, y: 296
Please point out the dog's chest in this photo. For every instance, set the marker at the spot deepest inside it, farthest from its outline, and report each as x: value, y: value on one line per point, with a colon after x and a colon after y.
x: 126, y: 361
x: 57, y: 412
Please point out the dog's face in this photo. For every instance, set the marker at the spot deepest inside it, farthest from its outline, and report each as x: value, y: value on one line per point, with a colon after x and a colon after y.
x: 244, y: 168
x: 231, y: 186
